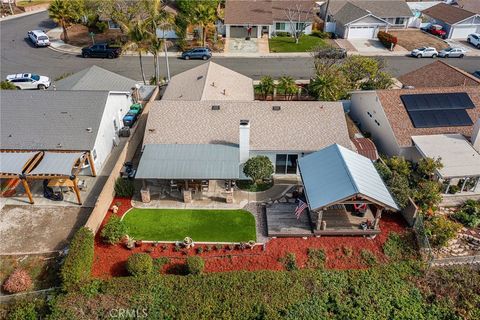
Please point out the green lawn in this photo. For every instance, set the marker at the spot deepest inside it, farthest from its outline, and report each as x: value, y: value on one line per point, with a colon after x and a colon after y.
x: 200, y: 225
x: 287, y: 44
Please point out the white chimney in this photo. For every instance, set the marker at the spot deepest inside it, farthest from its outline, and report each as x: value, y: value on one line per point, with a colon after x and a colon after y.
x: 244, y: 141
x: 476, y: 135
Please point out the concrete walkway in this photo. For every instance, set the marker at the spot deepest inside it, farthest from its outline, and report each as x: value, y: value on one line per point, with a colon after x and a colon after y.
x: 15, y: 16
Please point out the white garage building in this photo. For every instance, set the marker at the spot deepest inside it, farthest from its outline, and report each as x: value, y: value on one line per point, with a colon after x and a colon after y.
x: 457, y: 22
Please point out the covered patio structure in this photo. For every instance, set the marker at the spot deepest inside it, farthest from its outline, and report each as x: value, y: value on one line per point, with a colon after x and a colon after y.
x: 461, y: 162
x: 189, y: 171
x: 344, y: 192
x: 55, y: 168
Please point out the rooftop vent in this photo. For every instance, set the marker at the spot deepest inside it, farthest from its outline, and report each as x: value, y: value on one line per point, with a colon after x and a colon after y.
x: 59, y: 145
x: 199, y: 77
x: 216, y: 107
x: 151, y: 130
x: 276, y: 108
x: 213, y: 84
x: 89, y: 130
x: 244, y: 122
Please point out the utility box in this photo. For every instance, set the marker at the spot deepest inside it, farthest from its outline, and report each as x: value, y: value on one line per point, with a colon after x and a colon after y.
x: 145, y: 192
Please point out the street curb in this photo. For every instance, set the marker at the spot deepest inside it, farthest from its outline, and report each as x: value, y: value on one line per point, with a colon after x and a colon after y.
x: 20, y: 15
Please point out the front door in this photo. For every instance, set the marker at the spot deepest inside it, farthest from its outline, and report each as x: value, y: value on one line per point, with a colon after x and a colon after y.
x: 286, y: 164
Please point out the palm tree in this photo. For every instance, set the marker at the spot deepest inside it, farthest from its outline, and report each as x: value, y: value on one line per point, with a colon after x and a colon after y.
x: 266, y: 86
x: 137, y: 40
x: 329, y: 85
x: 289, y: 86
x: 60, y: 11
x: 204, y: 14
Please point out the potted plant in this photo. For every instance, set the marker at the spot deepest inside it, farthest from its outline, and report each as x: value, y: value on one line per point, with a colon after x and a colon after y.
x: 130, y: 243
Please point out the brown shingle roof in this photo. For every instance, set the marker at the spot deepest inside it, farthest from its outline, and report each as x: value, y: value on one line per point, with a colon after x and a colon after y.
x: 401, y: 124
x: 470, y: 5
x: 298, y: 126
x: 366, y: 148
x: 447, y: 13
x: 264, y: 11
x: 438, y: 74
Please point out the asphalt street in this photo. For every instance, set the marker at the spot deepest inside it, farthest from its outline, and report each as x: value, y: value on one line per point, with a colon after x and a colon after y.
x: 18, y: 55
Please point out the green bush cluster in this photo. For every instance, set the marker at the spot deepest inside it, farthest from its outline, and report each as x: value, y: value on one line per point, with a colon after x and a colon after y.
x: 384, y: 292
x: 320, y: 34
x: 368, y: 257
x: 399, y: 246
x: 124, y: 188
x: 469, y: 214
x: 289, y: 262
x: 282, y: 34
x: 195, y: 265
x: 440, y: 230
x: 114, y: 230
x: 79, y: 261
x: 316, y: 258
x: 139, y: 264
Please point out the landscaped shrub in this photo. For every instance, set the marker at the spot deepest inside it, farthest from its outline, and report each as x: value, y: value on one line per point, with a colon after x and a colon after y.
x: 320, y: 34
x: 469, y: 214
x: 158, y: 263
x: 282, y: 34
x: 124, y: 188
x: 368, y: 257
x: 195, y: 265
x: 114, y: 230
x: 347, y: 251
x: 289, y: 261
x: 440, y: 230
x: 78, y: 263
x: 139, y: 264
x: 399, y: 246
x: 316, y: 258
x: 18, y: 281
x: 258, y: 168
x: 101, y: 26
x: 387, y: 39
x: 7, y: 85
x: 22, y: 310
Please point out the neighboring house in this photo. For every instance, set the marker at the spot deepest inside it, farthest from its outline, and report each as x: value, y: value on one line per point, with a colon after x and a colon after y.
x: 393, y: 117
x: 267, y: 17
x: 80, y: 121
x: 470, y: 5
x: 417, y: 7
x: 182, y: 138
x: 362, y: 19
x: 438, y: 74
x: 457, y: 22
x: 209, y: 81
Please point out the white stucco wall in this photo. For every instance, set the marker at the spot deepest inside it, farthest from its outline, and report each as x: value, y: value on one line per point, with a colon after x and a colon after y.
x: 117, y: 106
x: 366, y: 109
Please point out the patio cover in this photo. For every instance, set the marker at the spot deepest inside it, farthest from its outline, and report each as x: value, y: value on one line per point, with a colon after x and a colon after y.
x: 189, y: 161
x: 457, y: 155
x: 56, y: 163
x: 335, y: 173
x: 13, y: 163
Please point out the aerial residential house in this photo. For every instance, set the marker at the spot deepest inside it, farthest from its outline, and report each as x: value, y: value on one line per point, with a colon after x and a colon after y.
x: 457, y: 22
x: 362, y: 19
x: 438, y: 74
x: 425, y: 122
x: 267, y: 17
x: 470, y: 5
x: 209, y: 81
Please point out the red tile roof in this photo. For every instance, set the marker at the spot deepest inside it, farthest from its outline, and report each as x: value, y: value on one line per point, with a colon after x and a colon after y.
x: 366, y: 148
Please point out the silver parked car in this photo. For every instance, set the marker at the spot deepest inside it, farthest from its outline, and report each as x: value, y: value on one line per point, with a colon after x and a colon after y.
x: 453, y: 53
x: 424, y: 52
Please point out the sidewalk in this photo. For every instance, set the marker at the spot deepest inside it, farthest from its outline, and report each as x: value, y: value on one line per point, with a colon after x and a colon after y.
x: 21, y: 15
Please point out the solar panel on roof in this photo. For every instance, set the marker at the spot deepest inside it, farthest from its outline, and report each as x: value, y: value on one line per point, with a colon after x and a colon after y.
x: 438, y: 109
x: 437, y: 101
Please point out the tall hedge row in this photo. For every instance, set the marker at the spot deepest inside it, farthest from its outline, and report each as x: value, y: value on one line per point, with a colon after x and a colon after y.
x: 387, y: 39
x: 79, y: 261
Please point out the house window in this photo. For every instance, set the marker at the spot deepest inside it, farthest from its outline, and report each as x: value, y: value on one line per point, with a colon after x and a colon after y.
x: 300, y: 26
x: 280, y: 26
x: 115, y: 125
x: 399, y: 20
x: 286, y: 164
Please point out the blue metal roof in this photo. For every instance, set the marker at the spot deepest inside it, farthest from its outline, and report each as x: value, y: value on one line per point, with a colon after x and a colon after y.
x: 336, y: 173
x: 189, y: 161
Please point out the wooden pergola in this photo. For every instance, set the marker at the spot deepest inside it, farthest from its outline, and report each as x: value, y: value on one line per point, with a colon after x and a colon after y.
x: 29, y: 170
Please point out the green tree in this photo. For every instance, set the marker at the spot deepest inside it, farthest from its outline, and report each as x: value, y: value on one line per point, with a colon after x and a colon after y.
x: 200, y: 13
x: 329, y: 85
x: 440, y: 230
x: 64, y: 12
x: 137, y: 41
x: 7, y: 85
x: 258, y: 168
x: 399, y: 165
x: 427, y: 167
x: 266, y: 86
x: 288, y: 85
x: 365, y: 73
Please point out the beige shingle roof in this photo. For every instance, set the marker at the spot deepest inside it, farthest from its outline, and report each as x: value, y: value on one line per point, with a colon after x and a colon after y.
x: 298, y: 126
x: 209, y: 81
x: 401, y: 124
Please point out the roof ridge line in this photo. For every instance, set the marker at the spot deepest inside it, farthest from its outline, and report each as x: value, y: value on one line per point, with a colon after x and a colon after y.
x: 347, y: 168
x: 468, y: 75
x: 206, y: 77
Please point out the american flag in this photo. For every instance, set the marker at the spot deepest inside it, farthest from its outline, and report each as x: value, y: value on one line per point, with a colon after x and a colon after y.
x: 300, y: 208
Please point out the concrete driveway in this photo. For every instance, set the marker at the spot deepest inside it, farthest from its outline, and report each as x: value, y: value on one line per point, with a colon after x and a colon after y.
x: 36, y: 229
x: 368, y: 45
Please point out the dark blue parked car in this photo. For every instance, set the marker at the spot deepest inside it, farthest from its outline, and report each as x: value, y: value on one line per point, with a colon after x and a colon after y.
x: 197, y: 53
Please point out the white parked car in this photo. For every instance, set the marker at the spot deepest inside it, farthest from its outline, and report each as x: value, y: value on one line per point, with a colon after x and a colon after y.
x: 474, y: 39
x: 427, y: 52
x: 29, y: 81
x: 453, y: 53
x: 38, y: 38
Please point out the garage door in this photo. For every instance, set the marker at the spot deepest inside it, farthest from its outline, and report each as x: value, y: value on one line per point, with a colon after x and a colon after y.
x: 361, y: 32
x: 241, y: 32
x: 463, y: 32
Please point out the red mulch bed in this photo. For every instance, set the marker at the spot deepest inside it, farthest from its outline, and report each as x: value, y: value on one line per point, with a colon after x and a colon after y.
x: 110, y: 260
